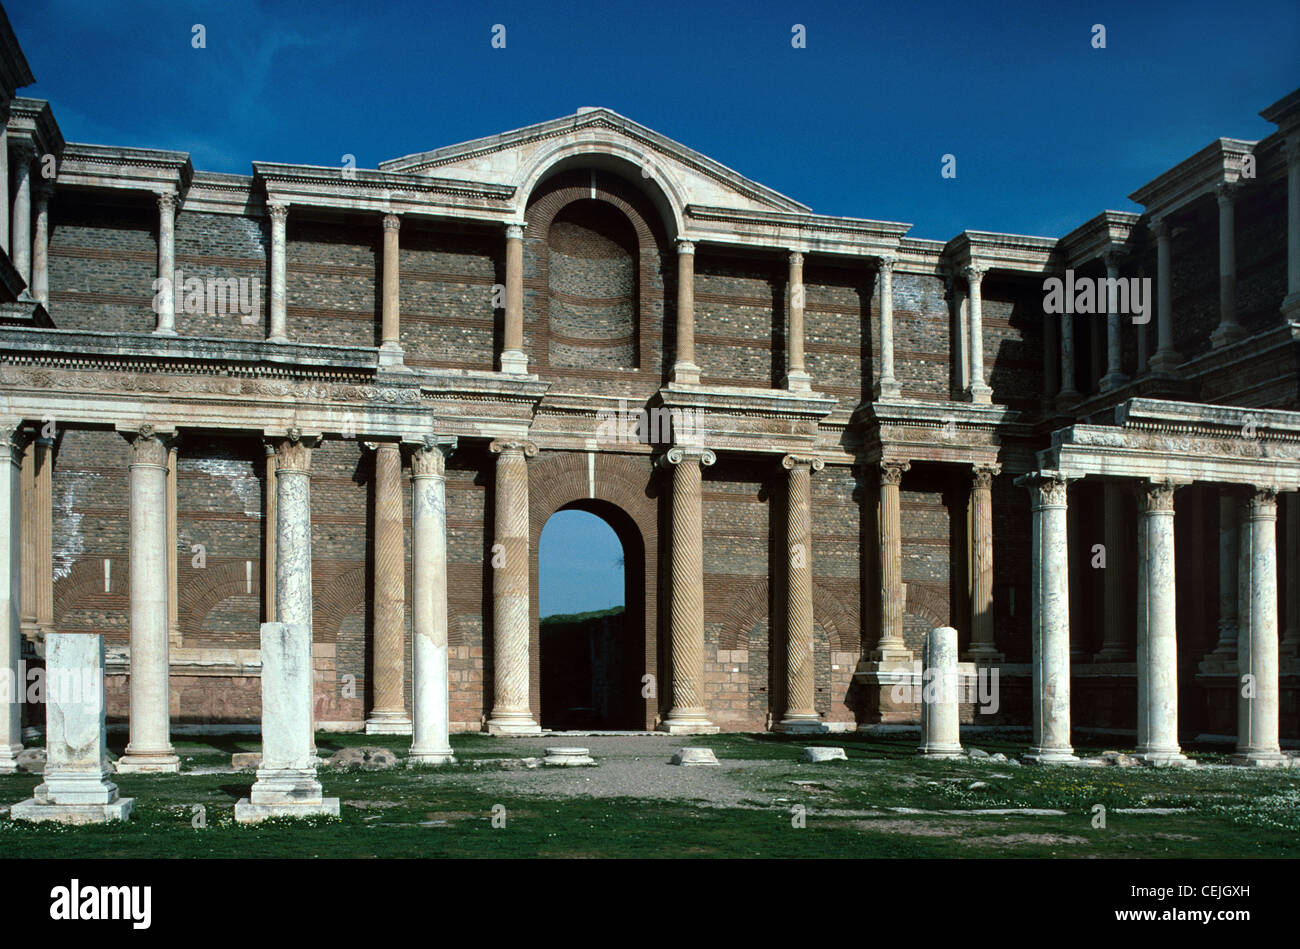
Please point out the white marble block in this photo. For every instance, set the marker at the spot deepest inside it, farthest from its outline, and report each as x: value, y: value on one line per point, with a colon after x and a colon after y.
x: 568, y: 757
x: 940, y: 725
x: 76, y: 789
x: 695, y: 757
x: 286, y: 781
x: 816, y: 754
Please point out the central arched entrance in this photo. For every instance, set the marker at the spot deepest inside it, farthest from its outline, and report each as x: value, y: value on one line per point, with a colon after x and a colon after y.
x: 591, y: 631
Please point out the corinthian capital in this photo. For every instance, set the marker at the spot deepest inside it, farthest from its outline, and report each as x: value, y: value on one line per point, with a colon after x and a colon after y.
x: 891, y: 472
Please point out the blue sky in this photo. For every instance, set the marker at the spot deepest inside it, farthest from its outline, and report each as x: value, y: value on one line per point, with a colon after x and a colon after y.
x: 1046, y: 130
x: 579, y: 565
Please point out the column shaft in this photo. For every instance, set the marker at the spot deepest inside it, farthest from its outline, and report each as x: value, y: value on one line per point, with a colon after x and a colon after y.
x: 1292, y: 301
x: 173, y: 592
x: 889, y: 387
x: 21, y: 251
x: 388, y: 715
x: 1229, y: 556
x: 1165, y: 359
x: 271, y: 522
x: 1228, y: 330
x: 1257, y: 646
x: 430, y: 743
x: 1157, y: 644
x: 279, y: 215
x: 797, y: 377
x: 1114, y: 377
x: 12, y: 683
x: 890, y: 644
x: 293, y: 596
x: 685, y: 369
x: 1114, y: 638
x: 1290, y: 644
x: 5, y: 237
x: 513, y: 358
x: 166, y: 295
x: 390, y: 347
x: 511, y: 711
x: 150, y: 747
x: 28, y: 532
x: 41, y: 247
x: 978, y: 390
x: 687, y: 715
x: 982, y: 645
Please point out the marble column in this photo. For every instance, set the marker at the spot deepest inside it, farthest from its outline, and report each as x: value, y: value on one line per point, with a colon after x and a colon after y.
x: 11, y: 681
x: 74, y: 788
x: 390, y: 346
x: 150, y: 748
x: 1165, y: 360
x: 1225, y: 651
x: 796, y: 377
x: 888, y: 387
x: 1068, y: 394
x: 21, y: 252
x: 173, y: 585
x: 271, y: 521
x: 1114, y: 634
x: 41, y: 246
x: 940, y: 712
x: 27, y: 493
x: 1114, y: 377
x: 42, y: 535
x: 1229, y: 330
x: 685, y: 369
x: 286, y: 783
x: 1257, y: 646
x: 983, y: 649
x: 5, y: 243
x: 1290, y: 644
x: 1291, y: 303
x: 688, y: 715
x: 430, y: 702
x: 512, y: 712
x: 1157, y: 643
x: 388, y: 715
x: 1050, y: 619
x: 278, y: 211
x: 978, y: 391
x: 890, y: 646
x: 167, y: 265
x: 293, y: 595
x: 801, y: 712
x: 513, y: 358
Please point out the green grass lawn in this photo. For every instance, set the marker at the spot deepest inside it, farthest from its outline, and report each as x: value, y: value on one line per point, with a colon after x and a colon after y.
x: 448, y: 812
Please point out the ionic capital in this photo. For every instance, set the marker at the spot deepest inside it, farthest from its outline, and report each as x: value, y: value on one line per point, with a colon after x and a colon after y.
x: 513, y: 446
x: 685, y: 246
x: 688, y: 454
x: 813, y: 462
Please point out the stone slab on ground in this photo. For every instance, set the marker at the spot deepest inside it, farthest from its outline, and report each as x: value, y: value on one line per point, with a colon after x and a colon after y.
x: 365, y: 757
x: 823, y: 754
x: 33, y: 810
x: 568, y: 757
x: 246, y: 760
x: 695, y: 757
x: 31, y: 761
x: 246, y: 812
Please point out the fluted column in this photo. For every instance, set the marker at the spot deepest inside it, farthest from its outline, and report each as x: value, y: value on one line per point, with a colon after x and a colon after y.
x: 1050, y: 618
x: 511, y: 711
x: 430, y: 700
x: 293, y: 595
x: 1228, y: 330
x: 1114, y: 634
x: 513, y: 358
x: 278, y: 211
x: 1157, y: 644
x: 1165, y: 359
x: 685, y: 369
x: 978, y: 390
x: 688, y: 715
x: 41, y: 246
x: 890, y: 646
x: 21, y: 251
x: 1291, y: 303
x: 388, y: 715
x: 12, y: 438
x: 390, y: 346
x: 1257, y: 646
x: 1114, y: 377
x: 150, y: 747
x: 796, y: 377
x: 166, y: 265
x: 801, y: 712
x: 1290, y: 644
x: 889, y: 387
x: 982, y: 646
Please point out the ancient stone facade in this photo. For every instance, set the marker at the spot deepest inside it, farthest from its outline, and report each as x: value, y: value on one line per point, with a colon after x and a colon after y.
x: 351, y: 399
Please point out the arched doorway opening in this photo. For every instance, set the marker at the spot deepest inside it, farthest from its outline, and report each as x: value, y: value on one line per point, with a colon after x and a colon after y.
x: 591, y: 626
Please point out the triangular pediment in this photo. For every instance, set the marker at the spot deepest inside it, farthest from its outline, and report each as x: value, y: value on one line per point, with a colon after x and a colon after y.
x: 601, y: 138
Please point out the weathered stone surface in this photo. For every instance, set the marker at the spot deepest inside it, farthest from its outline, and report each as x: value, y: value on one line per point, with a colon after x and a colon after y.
x: 823, y: 754
x: 244, y: 760
x: 366, y: 758
x: 940, y: 724
x: 568, y: 757
x: 31, y: 760
x: 695, y: 757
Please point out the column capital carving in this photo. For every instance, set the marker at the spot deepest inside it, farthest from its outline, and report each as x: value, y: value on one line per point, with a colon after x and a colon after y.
x: 1046, y: 488
x: 982, y: 476
x: 391, y: 221
x: 293, y: 451
x: 429, y: 457
x: 680, y: 454
x: 1226, y: 192
x: 150, y: 445
x: 512, y: 446
x: 1112, y: 258
x: 796, y: 258
x: 886, y: 262
x: 168, y: 202
x: 1291, y: 147
x: 515, y: 232
x: 1156, y: 497
x: 278, y: 211
x: 1159, y: 227
x: 17, y: 436
x: 1261, y: 504
x: 974, y: 273
x: 814, y: 462
x: 891, y: 472
x: 684, y: 246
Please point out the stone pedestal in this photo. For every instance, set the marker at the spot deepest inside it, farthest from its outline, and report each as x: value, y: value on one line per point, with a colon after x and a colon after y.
x: 286, y: 781
x: 76, y: 789
x: 1157, y: 646
x: 430, y: 743
x: 940, y: 724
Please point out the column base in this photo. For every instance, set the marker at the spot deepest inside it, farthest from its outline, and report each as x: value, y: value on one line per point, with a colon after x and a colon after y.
x: 417, y: 758
x: 163, y: 332
x: 148, y: 764
x: 1113, y: 654
x: 890, y: 654
x: 801, y: 725
x: 35, y: 811
x: 277, y: 339
x: 1227, y: 334
x: 1291, y: 306
x: 685, y: 373
x: 688, y: 722
x: 1165, y: 759
x: 9, y: 758
x: 889, y: 389
x: 1165, y: 363
x: 1113, y: 380
x: 512, y: 723
x: 246, y: 812
x: 979, y: 393
x: 941, y: 751
x: 983, y: 655
x: 798, y: 382
x: 1037, y: 755
x: 1260, y: 759
x: 515, y: 362
x: 391, y: 357
x: 384, y: 725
